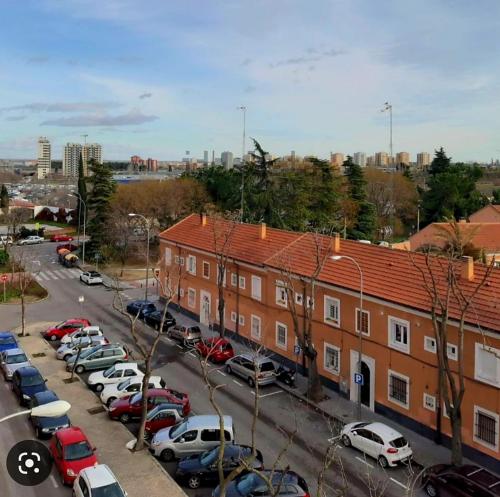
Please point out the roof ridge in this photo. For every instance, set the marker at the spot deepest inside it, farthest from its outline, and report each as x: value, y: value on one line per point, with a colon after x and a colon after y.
x: 286, y: 246
x: 177, y: 224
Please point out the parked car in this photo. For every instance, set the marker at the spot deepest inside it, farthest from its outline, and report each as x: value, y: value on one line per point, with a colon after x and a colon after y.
x: 154, y: 319
x: 115, y: 374
x: 162, y: 416
x: 377, y: 440
x: 7, y: 341
x: 61, y: 238
x: 11, y: 360
x: 6, y: 240
x: 26, y: 382
x: 202, y: 469
x: 189, y: 336
x: 70, y: 349
x: 289, y: 483
x: 91, y: 331
x: 44, y: 426
x: 97, y: 481
x: 91, y: 278
x: 128, y: 387
x: 252, y: 367
x: 98, y: 357
x: 217, y: 349
x: 194, y: 435
x: 67, y: 246
x: 130, y: 407
x: 31, y: 240
x: 445, y: 480
x: 72, y: 452
x: 62, y: 329
x: 140, y: 308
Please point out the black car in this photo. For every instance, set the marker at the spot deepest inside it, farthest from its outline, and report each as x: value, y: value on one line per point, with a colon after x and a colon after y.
x: 26, y: 382
x: 45, y: 427
x: 140, y: 308
x: 154, y: 319
x: 289, y: 483
x: 202, y: 468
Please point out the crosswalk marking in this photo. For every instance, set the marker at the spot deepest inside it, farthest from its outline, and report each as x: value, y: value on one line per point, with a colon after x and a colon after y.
x: 57, y: 274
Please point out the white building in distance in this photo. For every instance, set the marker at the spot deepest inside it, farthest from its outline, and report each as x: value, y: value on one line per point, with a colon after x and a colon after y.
x: 72, y: 154
x: 44, y: 162
x: 227, y: 159
x: 91, y: 151
x: 359, y: 158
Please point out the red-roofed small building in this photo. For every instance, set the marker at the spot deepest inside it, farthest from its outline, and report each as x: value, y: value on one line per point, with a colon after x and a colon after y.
x: 488, y: 214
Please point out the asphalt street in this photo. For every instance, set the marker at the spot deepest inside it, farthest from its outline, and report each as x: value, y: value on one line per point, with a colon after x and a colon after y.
x: 281, y: 416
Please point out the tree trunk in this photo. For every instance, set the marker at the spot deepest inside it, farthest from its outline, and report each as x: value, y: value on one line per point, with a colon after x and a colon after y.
x: 314, y: 387
x: 222, y: 305
x: 456, y: 438
x: 23, y: 315
x: 139, y: 445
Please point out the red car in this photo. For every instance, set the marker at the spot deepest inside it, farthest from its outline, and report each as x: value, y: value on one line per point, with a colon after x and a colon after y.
x: 72, y: 452
x: 61, y: 238
x: 68, y: 246
x: 216, y: 349
x: 162, y: 416
x: 130, y: 407
x: 62, y: 329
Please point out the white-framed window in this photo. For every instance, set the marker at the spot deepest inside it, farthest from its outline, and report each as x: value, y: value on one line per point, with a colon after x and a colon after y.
x: 191, y: 298
x: 206, y: 269
x: 332, y: 311
x: 181, y: 261
x: 168, y: 256
x: 332, y: 359
x: 430, y: 344
x: 452, y: 351
x: 486, y: 427
x: 191, y: 264
x: 487, y: 364
x: 177, y: 259
x: 430, y: 402
x: 399, y: 389
x: 363, y: 321
x: 281, y: 294
x: 241, y: 320
x: 233, y: 316
x: 234, y: 279
x: 181, y: 292
x: 281, y: 335
x: 299, y: 298
x: 399, y: 334
x: 256, y: 287
x: 224, y: 278
x: 310, y: 303
x: 256, y: 330
x: 242, y: 282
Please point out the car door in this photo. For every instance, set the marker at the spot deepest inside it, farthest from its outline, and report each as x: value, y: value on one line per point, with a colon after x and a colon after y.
x: 57, y: 454
x: 187, y: 443
x: 361, y: 439
x: 108, y: 358
x: 16, y: 383
x: 162, y: 420
x: 376, y: 446
x: 456, y: 486
x: 240, y: 365
x: 94, y: 360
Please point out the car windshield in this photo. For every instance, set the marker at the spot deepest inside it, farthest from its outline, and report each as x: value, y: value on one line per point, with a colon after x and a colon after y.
x: 136, y: 398
x: 151, y: 414
x: 112, y: 490
x: 32, y: 380
x: 123, y: 384
x: 209, y: 457
x: 60, y: 325
x: 80, y: 450
x: 248, y: 483
x: 267, y: 366
x: 178, y: 430
x: 109, y: 372
x: 16, y: 359
x: 87, y: 352
x: 399, y: 442
x: 7, y: 341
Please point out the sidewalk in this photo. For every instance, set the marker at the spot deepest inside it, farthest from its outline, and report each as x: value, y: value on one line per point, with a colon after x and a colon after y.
x: 139, y: 473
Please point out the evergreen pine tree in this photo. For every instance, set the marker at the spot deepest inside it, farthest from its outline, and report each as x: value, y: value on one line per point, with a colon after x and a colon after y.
x: 4, y: 198
x: 82, y: 189
x: 440, y: 163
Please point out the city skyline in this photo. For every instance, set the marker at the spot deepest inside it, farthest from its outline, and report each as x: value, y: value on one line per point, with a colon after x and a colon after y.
x: 159, y: 79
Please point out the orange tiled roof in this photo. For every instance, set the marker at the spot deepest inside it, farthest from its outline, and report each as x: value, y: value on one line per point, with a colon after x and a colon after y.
x: 389, y: 274
x: 21, y: 203
x: 488, y: 214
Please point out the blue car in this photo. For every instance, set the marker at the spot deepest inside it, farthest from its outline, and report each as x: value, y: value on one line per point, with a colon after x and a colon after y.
x: 7, y: 341
x: 141, y: 308
x: 45, y: 427
x: 26, y: 382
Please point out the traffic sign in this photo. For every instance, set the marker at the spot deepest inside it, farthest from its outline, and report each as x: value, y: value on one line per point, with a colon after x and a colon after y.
x: 358, y: 379
x: 4, y: 277
x: 297, y: 350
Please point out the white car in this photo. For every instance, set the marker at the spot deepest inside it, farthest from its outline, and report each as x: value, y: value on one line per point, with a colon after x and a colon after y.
x: 6, y: 240
x: 97, y: 481
x: 115, y: 374
x: 377, y: 440
x: 91, y: 278
x: 31, y: 240
x: 69, y: 349
x: 91, y: 331
x: 128, y: 387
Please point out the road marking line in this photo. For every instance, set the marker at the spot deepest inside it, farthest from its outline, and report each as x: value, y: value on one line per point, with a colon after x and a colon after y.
x: 52, y: 276
x: 238, y: 383
x: 177, y: 345
x: 364, y: 462
x: 269, y: 394
x: 398, y: 482
x: 62, y: 274
x: 221, y: 372
x: 53, y: 480
x: 192, y: 353
x: 75, y: 272
x: 43, y: 276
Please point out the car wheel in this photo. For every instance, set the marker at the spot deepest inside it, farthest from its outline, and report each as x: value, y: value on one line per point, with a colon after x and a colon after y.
x: 167, y: 455
x: 99, y: 387
x: 79, y: 369
x: 228, y: 369
x: 346, y: 441
x: 111, y: 399
x: 194, y: 482
x: 53, y: 338
x: 66, y: 357
x: 125, y: 417
x: 431, y: 490
x: 38, y: 433
x: 251, y: 382
x: 383, y: 462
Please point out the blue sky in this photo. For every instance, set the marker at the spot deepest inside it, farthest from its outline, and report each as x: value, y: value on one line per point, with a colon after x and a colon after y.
x: 159, y: 77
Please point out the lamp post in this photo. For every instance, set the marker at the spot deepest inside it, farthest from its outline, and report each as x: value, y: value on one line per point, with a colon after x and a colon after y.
x: 360, y: 345
x: 50, y: 410
x: 244, y: 109
x: 132, y: 214
x: 75, y: 194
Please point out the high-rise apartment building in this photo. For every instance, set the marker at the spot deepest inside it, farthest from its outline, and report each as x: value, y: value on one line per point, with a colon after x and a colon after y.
x: 152, y: 165
x: 336, y: 159
x: 71, y: 159
x: 381, y: 159
x: 227, y: 159
x: 423, y: 160
x: 136, y: 161
x: 402, y: 159
x: 91, y: 151
x: 359, y: 158
x: 44, y: 158
x: 370, y: 161
x: 205, y: 157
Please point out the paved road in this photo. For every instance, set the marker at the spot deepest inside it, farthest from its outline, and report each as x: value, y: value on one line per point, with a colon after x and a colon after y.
x: 280, y: 415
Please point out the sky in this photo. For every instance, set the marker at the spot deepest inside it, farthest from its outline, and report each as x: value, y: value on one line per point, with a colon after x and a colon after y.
x: 160, y: 77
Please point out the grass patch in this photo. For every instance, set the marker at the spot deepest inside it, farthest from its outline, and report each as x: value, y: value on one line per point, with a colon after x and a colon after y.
x: 33, y: 293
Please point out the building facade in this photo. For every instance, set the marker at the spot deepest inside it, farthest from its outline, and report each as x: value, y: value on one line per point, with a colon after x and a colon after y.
x: 381, y: 159
x: 399, y: 362
x: 71, y: 159
x: 44, y: 161
x: 227, y: 160
x: 91, y: 151
x: 336, y: 159
x: 403, y: 159
x: 423, y: 160
x: 359, y: 158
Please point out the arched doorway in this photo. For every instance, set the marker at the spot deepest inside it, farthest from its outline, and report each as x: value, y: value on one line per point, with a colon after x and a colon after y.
x: 365, y: 388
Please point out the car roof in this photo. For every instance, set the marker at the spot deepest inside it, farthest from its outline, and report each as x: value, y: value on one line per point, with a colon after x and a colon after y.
x: 142, y: 302
x: 208, y: 420
x: 127, y: 365
x: 71, y: 435
x: 6, y: 334
x: 15, y: 351
x: 255, y: 358
x: 45, y: 397
x: 383, y: 430
x: 99, y: 476
x: 217, y: 340
x: 27, y: 371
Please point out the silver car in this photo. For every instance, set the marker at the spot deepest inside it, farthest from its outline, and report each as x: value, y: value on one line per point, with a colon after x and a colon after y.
x: 11, y: 360
x: 252, y: 367
x: 67, y: 350
x: 188, y: 336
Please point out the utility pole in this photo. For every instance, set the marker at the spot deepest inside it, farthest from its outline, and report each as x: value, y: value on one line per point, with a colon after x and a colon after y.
x: 388, y: 108
x: 244, y: 109
x: 85, y: 139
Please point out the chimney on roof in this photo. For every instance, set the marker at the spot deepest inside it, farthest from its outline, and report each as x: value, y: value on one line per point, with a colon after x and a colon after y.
x: 263, y: 231
x: 336, y: 243
x: 462, y: 220
x: 203, y: 219
x: 468, y: 268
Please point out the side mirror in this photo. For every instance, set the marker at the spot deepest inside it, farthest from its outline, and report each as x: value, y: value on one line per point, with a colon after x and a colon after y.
x: 182, y: 440
x: 94, y: 449
x: 45, y: 380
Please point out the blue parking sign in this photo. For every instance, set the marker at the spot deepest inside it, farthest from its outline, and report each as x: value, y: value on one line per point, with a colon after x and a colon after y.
x: 296, y: 349
x: 358, y: 379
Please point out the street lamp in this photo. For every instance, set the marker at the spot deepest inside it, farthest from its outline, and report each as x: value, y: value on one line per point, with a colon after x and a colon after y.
x: 244, y: 109
x: 131, y: 214
x: 360, y: 346
x: 75, y: 194
x: 51, y: 410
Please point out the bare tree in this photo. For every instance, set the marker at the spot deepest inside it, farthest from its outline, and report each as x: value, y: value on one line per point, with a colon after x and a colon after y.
x: 15, y: 218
